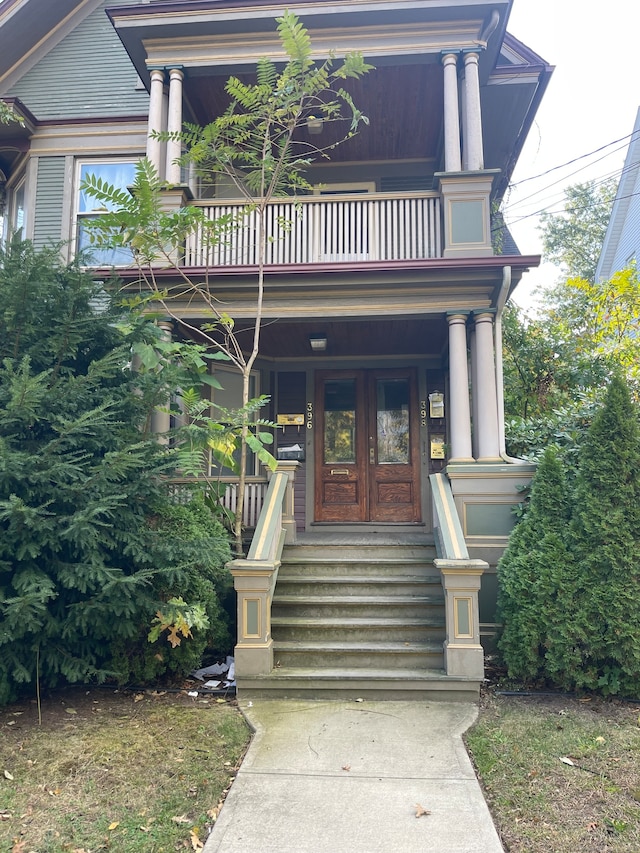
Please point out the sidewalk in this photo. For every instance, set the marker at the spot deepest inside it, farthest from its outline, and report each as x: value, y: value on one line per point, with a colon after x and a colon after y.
x: 346, y: 777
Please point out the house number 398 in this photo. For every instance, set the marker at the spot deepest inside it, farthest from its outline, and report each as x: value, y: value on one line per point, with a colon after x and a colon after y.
x: 309, y: 415
x: 423, y: 413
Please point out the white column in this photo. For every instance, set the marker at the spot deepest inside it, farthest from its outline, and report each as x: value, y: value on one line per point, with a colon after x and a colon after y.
x: 459, y: 415
x: 473, y: 114
x: 161, y: 419
x: 473, y: 349
x: 174, y: 125
x: 452, y: 161
x: 154, y: 146
x: 487, y: 425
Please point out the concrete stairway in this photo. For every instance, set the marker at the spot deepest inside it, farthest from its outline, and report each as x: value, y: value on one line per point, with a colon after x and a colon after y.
x: 358, y: 621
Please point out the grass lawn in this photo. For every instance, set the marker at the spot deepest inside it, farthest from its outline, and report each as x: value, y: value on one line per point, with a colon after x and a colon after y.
x: 560, y: 774
x: 112, y: 770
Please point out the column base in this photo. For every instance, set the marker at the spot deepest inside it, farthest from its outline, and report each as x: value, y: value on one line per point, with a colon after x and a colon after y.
x: 253, y: 660
x: 464, y: 660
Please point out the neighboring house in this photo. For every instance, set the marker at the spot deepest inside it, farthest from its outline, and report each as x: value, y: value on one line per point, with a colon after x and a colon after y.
x: 622, y: 240
x: 382, y: 348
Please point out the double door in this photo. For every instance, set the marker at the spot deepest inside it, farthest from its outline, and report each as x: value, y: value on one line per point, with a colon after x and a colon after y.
x: 367, y: 449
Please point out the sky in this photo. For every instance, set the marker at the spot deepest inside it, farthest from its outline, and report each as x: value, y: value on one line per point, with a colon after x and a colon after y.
x: 592, y: 100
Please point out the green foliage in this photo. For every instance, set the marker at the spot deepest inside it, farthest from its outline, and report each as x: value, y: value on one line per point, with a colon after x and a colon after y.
x: 532, y: 571
x: 570, y: 578
x: 573, y: 239
x: 81, y: 568
x: 256, y: 144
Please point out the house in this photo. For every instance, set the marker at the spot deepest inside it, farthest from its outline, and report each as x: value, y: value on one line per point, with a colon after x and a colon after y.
x: 382, y: 347
x: 622, y: 240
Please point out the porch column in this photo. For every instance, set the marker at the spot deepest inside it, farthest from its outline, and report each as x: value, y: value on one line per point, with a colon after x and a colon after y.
x: 487, y: 426
x: 460, y: 419
x: 174, y: 125
x: 452, y: 161
x: 154, y: 146
x: 474, y: 156
x: 161, y: 418
x: 473, y: 349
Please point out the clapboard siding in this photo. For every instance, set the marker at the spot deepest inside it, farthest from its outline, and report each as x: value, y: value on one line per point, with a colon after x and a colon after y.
x: 47, y: 225
x: 88, y: 74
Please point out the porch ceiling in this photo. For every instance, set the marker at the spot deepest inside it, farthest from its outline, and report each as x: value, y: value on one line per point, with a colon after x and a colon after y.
x: 357, y: 338
x: 400, y: 128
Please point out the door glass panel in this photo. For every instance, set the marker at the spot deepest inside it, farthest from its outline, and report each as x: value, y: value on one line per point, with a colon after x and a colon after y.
x: 339, y: 421
x: 392, y: 415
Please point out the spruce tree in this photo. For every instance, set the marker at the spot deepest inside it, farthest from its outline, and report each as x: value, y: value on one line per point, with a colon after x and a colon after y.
x: 605, y: 538
x: 535, y: 574
x: 82, y: 565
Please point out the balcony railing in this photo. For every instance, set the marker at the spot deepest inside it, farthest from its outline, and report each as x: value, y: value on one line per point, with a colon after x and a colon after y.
x: 321, y: 229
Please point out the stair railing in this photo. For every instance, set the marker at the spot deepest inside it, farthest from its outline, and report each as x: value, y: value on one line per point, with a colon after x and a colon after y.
x: 254, y: 578
x: 461, y: 579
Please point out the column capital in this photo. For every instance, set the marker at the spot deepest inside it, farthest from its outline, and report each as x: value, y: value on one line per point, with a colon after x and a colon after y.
x: 454, y: 54
x: 176, y: 71
x: 478, y: 312
x: 452, y: 316
x: 468, y: 52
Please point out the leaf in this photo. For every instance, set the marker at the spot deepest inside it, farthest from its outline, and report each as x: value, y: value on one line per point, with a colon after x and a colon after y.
x: 113, y: 825
x: 8, y: 775
x: 568, y: 761
x: 346, y: 767
x: 196, y: 844
x: 421, y: 811
x: 71, y: 710
x: 179, y: 819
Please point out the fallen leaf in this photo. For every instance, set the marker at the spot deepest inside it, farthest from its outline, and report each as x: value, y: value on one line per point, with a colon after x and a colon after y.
x: 566, y: 760
x: 8, y: 775
x: 18, y: 847
x: 346, y: 767
x: 71, y: 710
x: 591, y: 826
x: 196, y: 844
x: 600, y: 739
x: 180, y: 819
x: 5, y: 815
x: 420, y: 810
x: 11, y: 723
x: 113, y: 825
x: 138, y: 697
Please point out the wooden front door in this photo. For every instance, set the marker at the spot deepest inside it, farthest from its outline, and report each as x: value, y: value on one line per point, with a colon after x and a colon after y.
x: 367, y: 454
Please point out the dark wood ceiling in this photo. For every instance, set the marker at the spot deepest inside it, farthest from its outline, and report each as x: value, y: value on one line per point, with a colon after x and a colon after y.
x: 357, y: 338
x: 399, y: 127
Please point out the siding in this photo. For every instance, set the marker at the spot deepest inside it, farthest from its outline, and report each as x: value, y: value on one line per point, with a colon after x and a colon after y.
x: 47, y: 227
x: 87, y: 75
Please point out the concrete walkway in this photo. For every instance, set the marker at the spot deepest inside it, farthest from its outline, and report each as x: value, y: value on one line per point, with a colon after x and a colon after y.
x: 347, y: 777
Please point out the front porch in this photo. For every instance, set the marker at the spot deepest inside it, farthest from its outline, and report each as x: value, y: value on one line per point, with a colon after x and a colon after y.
x: 387, y: 614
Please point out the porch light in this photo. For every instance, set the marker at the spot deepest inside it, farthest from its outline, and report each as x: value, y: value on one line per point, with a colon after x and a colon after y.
x: 314, y: 125
x: 318, y: 343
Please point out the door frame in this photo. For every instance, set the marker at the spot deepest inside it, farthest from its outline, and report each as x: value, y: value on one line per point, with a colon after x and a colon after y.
x: 360, y: 482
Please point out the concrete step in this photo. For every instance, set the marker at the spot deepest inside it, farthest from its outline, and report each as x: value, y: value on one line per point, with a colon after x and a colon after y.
x: 356, y: 606
x: 344, y: 629
x: 329, y: 566
x: 319, y: 584
x: 373, y: 553
x: 359, y: 683
x: 359, y: 654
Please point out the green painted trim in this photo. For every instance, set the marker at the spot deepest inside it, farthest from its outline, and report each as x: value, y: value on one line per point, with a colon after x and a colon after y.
x: 269, y: 527
x: 449, y: 527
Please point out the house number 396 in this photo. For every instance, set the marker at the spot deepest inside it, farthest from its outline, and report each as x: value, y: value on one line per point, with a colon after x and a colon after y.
x: 309, y: 415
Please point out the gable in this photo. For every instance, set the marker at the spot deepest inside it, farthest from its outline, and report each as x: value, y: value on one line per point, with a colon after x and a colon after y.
x: 86, y: 75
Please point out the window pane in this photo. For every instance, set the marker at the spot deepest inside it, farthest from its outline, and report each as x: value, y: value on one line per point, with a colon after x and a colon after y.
x: 121, y: 256
x: 120, y: 175
x: 393, y: 421
x: 340, y: 421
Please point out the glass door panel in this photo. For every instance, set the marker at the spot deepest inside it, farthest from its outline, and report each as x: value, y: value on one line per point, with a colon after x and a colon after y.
x: 392, y: 421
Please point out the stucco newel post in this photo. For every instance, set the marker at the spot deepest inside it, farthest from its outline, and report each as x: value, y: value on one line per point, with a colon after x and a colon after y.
x: 488, y: 435
x: 174, y: 125
x: 460, y: 418
x: 452, y: 161
x: 474, y: 155
x: 156, y: 96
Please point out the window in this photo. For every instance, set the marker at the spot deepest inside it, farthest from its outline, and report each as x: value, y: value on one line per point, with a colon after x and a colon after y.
x: 119, y: 173
x: 230, y: 397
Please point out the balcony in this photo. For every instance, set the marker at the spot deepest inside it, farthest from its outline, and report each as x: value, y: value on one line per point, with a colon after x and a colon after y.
x: 327, y: 229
